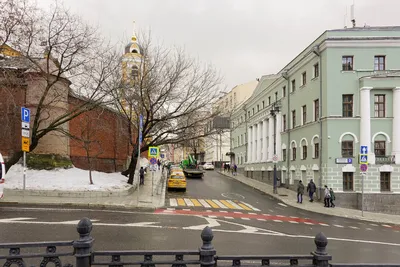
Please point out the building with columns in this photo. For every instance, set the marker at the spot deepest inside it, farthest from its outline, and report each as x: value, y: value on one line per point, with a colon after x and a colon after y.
x: 340, y: 93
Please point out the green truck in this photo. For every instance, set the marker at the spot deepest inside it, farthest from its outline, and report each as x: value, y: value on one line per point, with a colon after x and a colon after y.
x: 191, y: 169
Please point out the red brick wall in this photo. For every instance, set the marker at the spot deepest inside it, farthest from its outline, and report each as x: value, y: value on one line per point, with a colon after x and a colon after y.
x: 12, y: 97
x: 107, y: 136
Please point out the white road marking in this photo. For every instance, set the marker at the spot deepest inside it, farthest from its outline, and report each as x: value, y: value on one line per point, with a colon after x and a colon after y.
x: 309, y: 223
x: 16, y: 219
x: 294, y: 217
x: 188, y: 202
x: 293, y: 222
x: 277, y: 220
x: 271, y: 210
x: 262, y: 220
x: 247, y: 219
x: 266, y: 214
x: 369, y: 229
x: 222, y: 206
x: 223, y: 211
x: 173, y: 202
x: 252, y: 213
x: 186, y: 209
x: 238, y: 212
x: 234, y: 204
x: 170, y: 208
x: 323, y: 224
x: 354, y: 227
x: 337, y: 225
x: 204, y: 203
x: 232, y: 195
x: 387, y: 226
x: 168, y: 211
x: 208, y: 210
x: 250, y: 206
x: 373, y: 224
x: 211, y: 223
x: 283, y: 205
x: 231, y: 218
x: 280, y: 216
x: 212, y: 216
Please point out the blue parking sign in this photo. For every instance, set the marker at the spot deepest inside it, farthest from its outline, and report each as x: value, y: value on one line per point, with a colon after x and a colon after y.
x: 25, y: 114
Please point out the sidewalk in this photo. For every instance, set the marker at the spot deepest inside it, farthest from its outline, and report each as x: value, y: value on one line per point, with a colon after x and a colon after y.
x: 289, y: 197
x: 151, y: 195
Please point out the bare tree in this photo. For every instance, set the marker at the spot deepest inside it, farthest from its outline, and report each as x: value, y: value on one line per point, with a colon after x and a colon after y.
x: 60, y: 55
x: 173, y: 92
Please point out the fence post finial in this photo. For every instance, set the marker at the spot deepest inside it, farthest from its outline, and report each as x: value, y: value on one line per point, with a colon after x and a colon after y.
x: 83, y: 246
x: 321, y: 257
x: 207, y: 251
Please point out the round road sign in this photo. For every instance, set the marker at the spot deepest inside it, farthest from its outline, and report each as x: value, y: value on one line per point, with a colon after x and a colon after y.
x: 363, y: 167
x: 275, y: 157
x: 153, y: 161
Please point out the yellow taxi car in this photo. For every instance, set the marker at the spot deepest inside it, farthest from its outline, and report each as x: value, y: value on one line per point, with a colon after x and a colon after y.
x: 177, y: 180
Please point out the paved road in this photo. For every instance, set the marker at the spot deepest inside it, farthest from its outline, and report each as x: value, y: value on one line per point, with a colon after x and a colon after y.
x: 117, y: 230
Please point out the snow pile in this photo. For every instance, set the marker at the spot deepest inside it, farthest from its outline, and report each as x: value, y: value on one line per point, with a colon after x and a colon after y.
x: 73, y: 179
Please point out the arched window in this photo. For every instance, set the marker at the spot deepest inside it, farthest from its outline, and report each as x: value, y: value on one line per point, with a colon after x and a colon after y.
x: 293, y: 146
x: 304, y: 145
x: 135, y: 71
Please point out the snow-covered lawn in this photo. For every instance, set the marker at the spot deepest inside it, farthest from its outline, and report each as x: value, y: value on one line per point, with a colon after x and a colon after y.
x: 73, y: 179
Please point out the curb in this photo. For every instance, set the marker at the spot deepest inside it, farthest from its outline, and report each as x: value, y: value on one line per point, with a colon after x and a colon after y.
x: 354, y: 217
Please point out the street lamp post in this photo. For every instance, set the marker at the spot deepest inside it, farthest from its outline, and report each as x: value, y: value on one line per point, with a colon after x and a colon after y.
x: 274, y: 110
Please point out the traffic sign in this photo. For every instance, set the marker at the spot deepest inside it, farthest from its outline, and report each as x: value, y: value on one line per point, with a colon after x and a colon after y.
x: 153, y: 161
x: 363, y: 167
x: 25, y: 125
x: 162, y: 156
x: 275, y: 158
x: 364, y: 150
x: 25, y: 133
x: 25, y: 144
x: 153, y: 151
x: 25, y: 115
x: 363, y: 159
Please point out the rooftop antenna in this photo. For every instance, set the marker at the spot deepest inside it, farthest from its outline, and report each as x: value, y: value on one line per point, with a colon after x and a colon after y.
x: 345, y: 19
x: 353, y: 18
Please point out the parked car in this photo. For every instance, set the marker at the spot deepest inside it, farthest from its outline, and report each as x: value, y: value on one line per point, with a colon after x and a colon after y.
x: 177, y: 180
x: 208, y: 166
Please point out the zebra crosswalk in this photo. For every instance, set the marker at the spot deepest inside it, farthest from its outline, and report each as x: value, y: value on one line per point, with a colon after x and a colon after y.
x: 211, y: 203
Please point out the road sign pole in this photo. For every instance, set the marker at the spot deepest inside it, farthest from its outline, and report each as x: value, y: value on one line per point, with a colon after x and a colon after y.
x: 362, y: 193
x: 139, y: 146
x: 152, y: 183
x: 24, y: 166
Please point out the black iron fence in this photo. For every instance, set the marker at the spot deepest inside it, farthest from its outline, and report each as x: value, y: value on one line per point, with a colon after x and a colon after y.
x: 80, y: 252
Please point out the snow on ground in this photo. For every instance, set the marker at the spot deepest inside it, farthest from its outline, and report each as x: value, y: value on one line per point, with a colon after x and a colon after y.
x: 73, y: 179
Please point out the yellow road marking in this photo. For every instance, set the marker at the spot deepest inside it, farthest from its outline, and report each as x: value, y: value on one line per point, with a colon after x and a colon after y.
x: 196, y: 202
x: 181, y: 202
x: 226, y: 203
x: 244, y: 206
x: 212, y: 204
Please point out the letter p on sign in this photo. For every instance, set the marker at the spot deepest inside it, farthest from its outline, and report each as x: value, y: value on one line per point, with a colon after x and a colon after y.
x: 25, y: 114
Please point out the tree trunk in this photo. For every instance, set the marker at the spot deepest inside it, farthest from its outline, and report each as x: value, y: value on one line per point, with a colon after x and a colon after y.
x: 13, y: 160
x: 132, y: 168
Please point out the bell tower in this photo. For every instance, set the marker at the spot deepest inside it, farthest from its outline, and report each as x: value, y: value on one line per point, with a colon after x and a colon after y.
x: 131, y: 60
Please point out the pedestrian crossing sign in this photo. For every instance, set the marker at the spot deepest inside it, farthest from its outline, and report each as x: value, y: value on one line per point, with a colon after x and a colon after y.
x: 363, y: 159
x: 153, y: 152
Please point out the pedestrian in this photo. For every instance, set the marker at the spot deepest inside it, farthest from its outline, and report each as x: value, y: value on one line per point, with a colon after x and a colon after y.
x: 159, y: 164
x: 300, y: 192
x: 327, y: 197
x: 141, y: 174
x: 234, y: 169
x: 332, y: 197
x: 311, y: 188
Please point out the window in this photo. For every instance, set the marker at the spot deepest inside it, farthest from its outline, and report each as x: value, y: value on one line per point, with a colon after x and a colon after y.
x: 347, y: 63
x: 284, y: 122
x: 316, y: 70
x: 293, y: 118
x: 316, y: 109
x: 380, y: 106
x: 263, y: 104
x: 276, y: 96
x: 304, y: 111
x: 347, y: 148
x: 385, y: 181
x: 293, y: 153
x: 304, y: 78
x: 284, y: 91
x: 248, y: 114
x: 258, y: 108
x: 293, y: 85
x: 380, y: 148
x: 253, y: 111
x: 269, y: 100
x: 379, y: 63
x: 316, y: 150
x: 347, y: 101
x: 283, y: 154
x: 304, y: 152
x: 348, y: 181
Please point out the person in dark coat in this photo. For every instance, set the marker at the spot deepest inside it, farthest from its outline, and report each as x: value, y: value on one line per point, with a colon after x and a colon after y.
x: 300, y: 192
x: 311, y: 188
x: 141, y: 175
x: 332, y: 197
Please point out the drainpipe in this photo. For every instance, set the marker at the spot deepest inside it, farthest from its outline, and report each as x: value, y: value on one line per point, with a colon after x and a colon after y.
x: 247, y: 138
x: 285, y: 75
x: 317, y: 52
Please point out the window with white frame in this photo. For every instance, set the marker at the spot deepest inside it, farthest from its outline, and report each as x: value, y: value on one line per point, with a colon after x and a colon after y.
x: 304, y: 149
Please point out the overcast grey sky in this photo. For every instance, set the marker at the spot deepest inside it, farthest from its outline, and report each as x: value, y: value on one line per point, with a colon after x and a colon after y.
x: 243, y: 39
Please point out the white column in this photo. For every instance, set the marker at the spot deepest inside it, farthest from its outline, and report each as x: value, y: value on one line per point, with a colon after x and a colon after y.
x: 365, y: 122
x: 249, y: 144
x: 265, y: 145
x: 278, y: 135
x: 254, y: 148
x: 259, y: 137
x: 396, y: 125
x: 270, y: 138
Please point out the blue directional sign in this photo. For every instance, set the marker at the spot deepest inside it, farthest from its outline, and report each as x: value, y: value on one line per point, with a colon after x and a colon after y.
x: 25, y: 115
x: 162, y: 156
x: 363, y: 159
x: 364, y: 150
x: 349, y: 160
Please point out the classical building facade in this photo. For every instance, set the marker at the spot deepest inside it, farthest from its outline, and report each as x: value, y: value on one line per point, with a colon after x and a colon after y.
x: 218, y: 145
x: 340, y: 93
